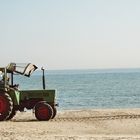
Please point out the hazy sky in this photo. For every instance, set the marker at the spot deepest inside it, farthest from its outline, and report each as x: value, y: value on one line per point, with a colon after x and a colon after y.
x: 71, y: 34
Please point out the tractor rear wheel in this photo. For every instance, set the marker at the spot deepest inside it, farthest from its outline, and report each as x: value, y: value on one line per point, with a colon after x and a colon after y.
x: 6, y: 106
x: 13, y: 113
x: 43, y: 111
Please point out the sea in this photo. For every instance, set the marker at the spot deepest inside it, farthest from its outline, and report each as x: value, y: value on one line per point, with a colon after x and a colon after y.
x: 88, y: 89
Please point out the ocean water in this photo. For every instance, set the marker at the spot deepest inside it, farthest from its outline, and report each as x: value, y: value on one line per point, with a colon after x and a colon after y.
x: 89, y: 89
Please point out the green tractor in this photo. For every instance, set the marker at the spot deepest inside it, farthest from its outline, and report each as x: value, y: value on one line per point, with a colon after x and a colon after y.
x: 42, y: 102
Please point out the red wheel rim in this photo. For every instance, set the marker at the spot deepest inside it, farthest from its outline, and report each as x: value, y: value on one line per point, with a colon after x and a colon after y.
x: 43, y: 112
x: 3, y: 104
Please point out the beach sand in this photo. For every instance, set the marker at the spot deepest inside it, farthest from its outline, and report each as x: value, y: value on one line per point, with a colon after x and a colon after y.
x: 101, y: 124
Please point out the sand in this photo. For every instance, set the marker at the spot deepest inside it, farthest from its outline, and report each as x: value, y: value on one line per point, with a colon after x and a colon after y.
x: 107, y: 124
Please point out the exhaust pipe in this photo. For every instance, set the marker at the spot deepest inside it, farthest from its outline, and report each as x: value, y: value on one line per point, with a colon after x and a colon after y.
x: 43, y: 78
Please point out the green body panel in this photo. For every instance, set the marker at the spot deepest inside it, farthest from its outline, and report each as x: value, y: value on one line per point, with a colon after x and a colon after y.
x: 18, y: 96
x: 15, y: 95
x: 46, y: 95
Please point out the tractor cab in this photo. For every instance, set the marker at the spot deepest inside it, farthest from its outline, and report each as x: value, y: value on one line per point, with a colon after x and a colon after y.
x: 6, y: 74
x: 25, y: 69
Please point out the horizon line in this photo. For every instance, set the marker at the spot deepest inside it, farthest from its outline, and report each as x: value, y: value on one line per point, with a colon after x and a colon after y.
x: 113, y: 68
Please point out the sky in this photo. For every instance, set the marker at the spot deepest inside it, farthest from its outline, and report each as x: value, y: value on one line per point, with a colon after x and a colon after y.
x: 71, y: 34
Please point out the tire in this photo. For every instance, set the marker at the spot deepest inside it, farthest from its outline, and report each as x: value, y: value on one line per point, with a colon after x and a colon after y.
x: 43, y: 111
x: 6, y: 106
x: 54, y: 112
x: 13, y: 113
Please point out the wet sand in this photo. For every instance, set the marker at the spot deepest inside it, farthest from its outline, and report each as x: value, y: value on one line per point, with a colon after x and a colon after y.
x: 107, y: 124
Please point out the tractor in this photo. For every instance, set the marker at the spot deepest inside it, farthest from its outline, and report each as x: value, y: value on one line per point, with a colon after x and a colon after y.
x: 42, y: 102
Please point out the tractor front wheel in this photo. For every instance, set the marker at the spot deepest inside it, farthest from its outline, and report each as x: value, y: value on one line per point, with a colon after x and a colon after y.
x: 54, y: 112
x: 6, y: 106
x: 43, y: 111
